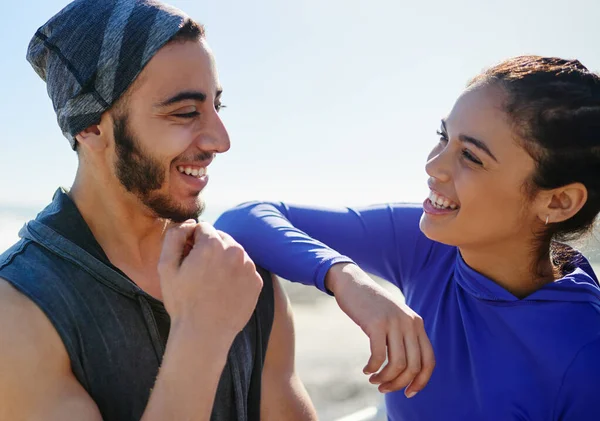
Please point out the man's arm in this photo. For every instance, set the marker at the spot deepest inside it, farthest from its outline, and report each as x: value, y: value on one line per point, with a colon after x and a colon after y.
x: 283, y: 394
x: 36, y: 381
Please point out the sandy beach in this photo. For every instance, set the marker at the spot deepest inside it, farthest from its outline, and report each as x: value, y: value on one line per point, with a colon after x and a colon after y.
x: 331, y: 352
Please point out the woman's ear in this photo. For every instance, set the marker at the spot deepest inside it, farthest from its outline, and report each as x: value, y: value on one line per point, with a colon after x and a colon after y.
x: 562, y: 203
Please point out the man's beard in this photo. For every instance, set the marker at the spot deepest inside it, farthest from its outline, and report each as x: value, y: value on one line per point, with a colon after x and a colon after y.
x: 143, y: 175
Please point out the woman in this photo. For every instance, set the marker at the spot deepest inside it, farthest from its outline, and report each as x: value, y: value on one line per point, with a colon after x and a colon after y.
x: 513, y: 314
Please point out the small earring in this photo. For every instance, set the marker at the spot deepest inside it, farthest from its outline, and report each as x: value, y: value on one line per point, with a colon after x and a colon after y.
x: 547, y: 216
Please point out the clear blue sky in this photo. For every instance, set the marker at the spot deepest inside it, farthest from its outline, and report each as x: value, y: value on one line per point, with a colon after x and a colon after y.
x: 329, y: 101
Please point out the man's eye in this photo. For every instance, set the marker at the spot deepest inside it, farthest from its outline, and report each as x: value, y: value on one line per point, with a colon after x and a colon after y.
x: 188, y: 115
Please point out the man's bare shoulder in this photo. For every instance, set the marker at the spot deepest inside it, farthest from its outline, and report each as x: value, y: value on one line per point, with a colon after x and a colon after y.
x: 20, y: 318
x: 37, y: 381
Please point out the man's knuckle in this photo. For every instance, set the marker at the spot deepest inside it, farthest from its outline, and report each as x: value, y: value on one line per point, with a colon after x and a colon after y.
x: 251, y: 267
x: 237, y: 256
x: 258, y: 279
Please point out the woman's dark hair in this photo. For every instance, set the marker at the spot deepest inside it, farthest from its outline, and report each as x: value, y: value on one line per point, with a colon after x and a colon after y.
x: 554, y: 105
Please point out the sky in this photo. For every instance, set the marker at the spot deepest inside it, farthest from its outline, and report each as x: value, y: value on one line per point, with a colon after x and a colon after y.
x: 329, y: 102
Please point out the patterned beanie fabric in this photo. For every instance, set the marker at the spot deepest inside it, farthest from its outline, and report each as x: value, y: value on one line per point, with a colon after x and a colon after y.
x: 91, y: 52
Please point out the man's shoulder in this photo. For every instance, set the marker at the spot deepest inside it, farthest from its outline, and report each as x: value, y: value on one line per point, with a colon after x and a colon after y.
x: 34, y: 362
x: 26, y: 264
x: 40, y: 290
x: 24, y: 328
x: 38, y: 271
x: 8, y: 255
x: 25, y: 254
x: 11, y: 300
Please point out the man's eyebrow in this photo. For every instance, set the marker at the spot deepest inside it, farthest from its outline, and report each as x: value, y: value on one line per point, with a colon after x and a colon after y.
x: 187, y: 95
x: 183, y: 96
x: 479, y: 144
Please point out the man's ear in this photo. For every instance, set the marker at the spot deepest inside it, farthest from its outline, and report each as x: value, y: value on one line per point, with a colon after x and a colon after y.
x: 92, y: 138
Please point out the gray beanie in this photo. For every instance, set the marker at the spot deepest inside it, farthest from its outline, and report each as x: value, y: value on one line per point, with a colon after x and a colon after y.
x: 91, y: 52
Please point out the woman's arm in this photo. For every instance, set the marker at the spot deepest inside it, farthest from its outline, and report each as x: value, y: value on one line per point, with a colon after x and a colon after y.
x: 302, y: 243
x: 309, y: 245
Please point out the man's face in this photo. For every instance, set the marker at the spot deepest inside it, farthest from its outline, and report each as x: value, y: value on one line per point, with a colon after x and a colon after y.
x: 168, y: 131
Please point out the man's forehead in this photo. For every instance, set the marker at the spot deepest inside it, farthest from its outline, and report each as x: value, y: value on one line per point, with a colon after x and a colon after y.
x: 180, y: 67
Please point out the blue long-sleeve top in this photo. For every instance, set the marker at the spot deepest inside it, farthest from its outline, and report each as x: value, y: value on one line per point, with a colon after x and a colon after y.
x: 498, y: 357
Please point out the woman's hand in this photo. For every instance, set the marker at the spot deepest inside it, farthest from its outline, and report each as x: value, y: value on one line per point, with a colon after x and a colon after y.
x: 394, y: 330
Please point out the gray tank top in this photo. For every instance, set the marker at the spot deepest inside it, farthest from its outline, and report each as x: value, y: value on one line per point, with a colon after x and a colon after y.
x: 115, y: 333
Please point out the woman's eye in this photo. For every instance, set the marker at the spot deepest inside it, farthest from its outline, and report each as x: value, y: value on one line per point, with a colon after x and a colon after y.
x: 443, y: 137
x: 468, y: 155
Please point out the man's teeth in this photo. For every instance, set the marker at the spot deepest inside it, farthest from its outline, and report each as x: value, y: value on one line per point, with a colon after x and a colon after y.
x: 194, y: 172
x: 441, y: 202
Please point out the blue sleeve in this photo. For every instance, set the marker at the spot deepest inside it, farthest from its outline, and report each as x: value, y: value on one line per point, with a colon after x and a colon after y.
x: 301, y: 243
x: 578, y: 397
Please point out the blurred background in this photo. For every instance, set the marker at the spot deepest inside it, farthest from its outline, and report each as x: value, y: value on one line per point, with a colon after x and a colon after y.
x: 329, y: 102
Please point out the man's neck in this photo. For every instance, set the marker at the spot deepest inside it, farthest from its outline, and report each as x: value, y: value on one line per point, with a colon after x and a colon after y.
x: 512, y: 265
x: 128, y: 233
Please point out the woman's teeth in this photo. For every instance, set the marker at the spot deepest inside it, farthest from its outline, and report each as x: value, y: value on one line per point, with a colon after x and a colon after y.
x: 194, y: 172
x: 441, y: 202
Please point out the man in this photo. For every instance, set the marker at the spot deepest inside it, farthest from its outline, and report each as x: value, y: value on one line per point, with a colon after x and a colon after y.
x: 115, y: 279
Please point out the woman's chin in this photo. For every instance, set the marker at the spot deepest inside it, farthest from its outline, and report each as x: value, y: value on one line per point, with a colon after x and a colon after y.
x: 437, y: 231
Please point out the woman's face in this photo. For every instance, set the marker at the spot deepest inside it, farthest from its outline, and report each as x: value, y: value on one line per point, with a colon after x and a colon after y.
x: 477, y: 173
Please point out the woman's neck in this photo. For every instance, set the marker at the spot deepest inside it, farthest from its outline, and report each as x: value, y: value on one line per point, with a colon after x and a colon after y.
x: 515, y: 266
